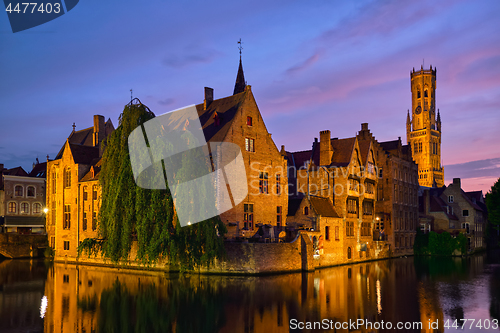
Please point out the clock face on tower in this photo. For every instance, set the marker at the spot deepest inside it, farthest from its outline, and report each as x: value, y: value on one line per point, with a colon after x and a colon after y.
x: 418, y: 110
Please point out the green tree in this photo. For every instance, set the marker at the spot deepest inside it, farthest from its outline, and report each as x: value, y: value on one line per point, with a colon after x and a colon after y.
x: 493, y: 205
x: 129, y: 212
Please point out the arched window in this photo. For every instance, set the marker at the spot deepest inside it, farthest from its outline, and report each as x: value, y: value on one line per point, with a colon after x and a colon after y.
x: 67, y: 177
x: 349, y: 253
x: 306, y: 210
x: 30, y: 191
x: 18, y: 191
x: 426, y: 93
x: 418, y: 93
x: 12, y: 207
x: 37, y: 208
x: 25, y: 208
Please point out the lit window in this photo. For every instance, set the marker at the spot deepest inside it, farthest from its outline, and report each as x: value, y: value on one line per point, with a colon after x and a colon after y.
x: 18, y: 191
x: 248, y: 216
x: 67, y: 217
x: 37, y: 208
x: 263, y: 188
x: 12, y: 207
x: 25, y: 208
x: 249, y: 144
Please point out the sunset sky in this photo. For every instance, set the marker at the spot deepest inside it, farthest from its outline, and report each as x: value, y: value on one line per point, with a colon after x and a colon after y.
x: 313, y: 65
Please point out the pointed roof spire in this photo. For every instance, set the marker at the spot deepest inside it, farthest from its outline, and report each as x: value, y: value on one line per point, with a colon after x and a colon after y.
x: 408, y: 120
x: 240, y: 84
x: 439, y: 117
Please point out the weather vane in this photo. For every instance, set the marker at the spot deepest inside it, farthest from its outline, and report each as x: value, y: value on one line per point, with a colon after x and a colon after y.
x: 240, y: 47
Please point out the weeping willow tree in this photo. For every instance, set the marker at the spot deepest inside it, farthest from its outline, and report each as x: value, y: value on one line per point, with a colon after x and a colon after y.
x: 130, y: 213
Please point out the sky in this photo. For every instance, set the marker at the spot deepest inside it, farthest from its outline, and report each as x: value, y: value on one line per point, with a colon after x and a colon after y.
x: 312, y: 65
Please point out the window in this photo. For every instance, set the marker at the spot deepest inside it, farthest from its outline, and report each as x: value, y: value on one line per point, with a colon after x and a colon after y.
x: 85, y: 193
x: 371, y: 168
x: 249, y: 144
x: 12, y: 207
x: 18, y: 191
x: 352, y: 206
x: 263, y: 182
x: 94, y: 221
x: 380, y: 173
x: 466, y: 226
x: 53, y: 183
x: 426, y: 94
x: 306, y: 210
x: 25, y: 208
x: 67, y: 178
x: 353, y: 184
x: 418, y: 94
x: 279, y: 216
x: 30, y: 191
x: 37, y: 208
x: 53, y: 242
x: 66, y: 248
x: 337, y: 236
x: 450, y: 199
x: 365, y: 228
x: 53, y: 213
x: 369, y: 187
x: 349, y: 230
x: 349, y: 253
x: 248, y: 216
x: 367, y: 207
x: 94, y: 193
x: 67, y: 217
x: 84, y: 224
x: 327, y: 233
x: 465, y: 212
x: 278, y: 184
x: 249, y: 121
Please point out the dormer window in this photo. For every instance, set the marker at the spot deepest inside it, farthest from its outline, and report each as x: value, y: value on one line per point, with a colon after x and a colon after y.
x: 249, y: 121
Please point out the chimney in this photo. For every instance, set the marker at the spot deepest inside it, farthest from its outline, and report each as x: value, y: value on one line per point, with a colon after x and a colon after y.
x: 209, y: 97
x: 98, y: 130
x: 364, y: 126
x: 456, y: 181
x: 325, y: 148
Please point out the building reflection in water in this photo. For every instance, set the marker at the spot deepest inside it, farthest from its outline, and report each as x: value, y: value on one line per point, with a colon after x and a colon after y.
x: 35, y: 296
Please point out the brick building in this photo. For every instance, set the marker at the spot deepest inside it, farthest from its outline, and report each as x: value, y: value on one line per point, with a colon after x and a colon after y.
x: 455, y: 211
x: 22, y: 200
x: 73, y: 192
x: 397, y: 197
x: 344, y: 172
x: 237, y: 119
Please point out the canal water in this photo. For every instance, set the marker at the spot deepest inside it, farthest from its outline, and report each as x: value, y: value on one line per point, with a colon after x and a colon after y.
x: 405, y: 294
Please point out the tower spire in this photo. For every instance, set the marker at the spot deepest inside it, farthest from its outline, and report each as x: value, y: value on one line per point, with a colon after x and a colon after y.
x: 240, y: 84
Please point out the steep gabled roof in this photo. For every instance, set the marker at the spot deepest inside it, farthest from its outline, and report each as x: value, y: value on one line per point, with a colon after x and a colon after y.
x: 364, y: 150
x: 342, y: 151
x: 299, y: 158
x: 17, y: 171
x: 323, y: 206
x: 40, y: 170
x: 84, y: 154
x: 390, y: 146
x: 81, y: 137
x: 94, y: 171
x: 223, y: 110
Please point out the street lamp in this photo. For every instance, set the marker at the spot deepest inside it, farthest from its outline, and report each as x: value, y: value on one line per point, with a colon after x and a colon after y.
x: 45, y: 210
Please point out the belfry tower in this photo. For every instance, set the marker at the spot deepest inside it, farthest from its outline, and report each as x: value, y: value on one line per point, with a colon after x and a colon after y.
x: 423, y: 130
